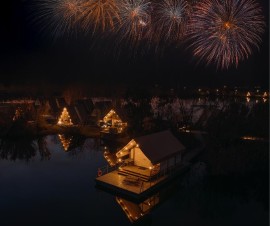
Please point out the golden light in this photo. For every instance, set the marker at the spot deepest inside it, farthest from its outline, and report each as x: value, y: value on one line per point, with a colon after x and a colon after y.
x: 227, y: 25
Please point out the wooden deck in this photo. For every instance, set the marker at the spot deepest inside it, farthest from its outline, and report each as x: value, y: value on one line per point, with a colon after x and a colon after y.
x: 119, y: 184
x: 119, y: 181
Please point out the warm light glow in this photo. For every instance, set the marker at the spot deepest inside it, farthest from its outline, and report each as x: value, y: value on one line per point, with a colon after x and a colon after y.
x: 251, y: 138
x: 65, y: 119
x: 227, y: 25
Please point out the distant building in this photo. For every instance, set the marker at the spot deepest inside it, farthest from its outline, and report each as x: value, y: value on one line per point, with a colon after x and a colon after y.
x: 112, y: 123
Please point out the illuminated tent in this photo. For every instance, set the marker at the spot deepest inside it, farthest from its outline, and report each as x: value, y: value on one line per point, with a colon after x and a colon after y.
x: 112, y: 121
x: 155, y: 151
x: 65, y: 118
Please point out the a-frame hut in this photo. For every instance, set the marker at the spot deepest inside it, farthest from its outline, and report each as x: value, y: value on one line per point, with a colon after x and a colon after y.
x: 148, y: 155
x: 65, y: 118
x: 112, y: 123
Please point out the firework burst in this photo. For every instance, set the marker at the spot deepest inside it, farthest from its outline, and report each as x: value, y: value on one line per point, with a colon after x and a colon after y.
x: 58, y: 16
x: 171, y: 18
x: 225, y: 31
x: 99, y: 14
x: 135, y: 19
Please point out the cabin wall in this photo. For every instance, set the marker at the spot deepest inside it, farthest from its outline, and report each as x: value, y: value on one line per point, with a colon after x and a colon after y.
x: 171, y: 162
x: 139, y: 158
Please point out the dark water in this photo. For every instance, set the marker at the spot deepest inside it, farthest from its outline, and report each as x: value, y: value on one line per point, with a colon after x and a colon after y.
x: 60, y: 190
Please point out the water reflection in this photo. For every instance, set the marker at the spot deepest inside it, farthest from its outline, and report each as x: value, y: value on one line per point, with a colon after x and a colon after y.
x: 65, y: 140
x: 28, y: 148
x: 139, y: 212
x: 23, y: 148
x: 77, y: 143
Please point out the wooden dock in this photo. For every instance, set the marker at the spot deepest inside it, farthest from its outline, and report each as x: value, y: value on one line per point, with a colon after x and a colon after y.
x: 118, y: 184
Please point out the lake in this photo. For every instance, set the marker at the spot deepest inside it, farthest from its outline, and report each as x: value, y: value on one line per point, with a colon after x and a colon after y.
x: 59, y: 189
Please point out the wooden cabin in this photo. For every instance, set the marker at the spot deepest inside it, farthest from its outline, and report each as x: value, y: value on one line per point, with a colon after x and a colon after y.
x: 76, y: 114
x: 100, y: 109
x: 112, y: 123
x: 148, y: 155
x: 65, y: 118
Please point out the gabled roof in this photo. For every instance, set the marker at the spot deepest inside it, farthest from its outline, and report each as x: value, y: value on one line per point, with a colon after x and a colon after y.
x: 159, y: 146
x: 103, y: 106
x: 87, y: 104
x: 81, y: 112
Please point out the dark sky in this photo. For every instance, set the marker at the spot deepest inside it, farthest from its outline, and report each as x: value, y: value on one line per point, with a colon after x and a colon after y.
x: 28, y: 56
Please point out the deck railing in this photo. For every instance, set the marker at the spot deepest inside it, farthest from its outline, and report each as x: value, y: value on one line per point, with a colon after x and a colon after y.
x: 106, y: 169
x: 164, y: 172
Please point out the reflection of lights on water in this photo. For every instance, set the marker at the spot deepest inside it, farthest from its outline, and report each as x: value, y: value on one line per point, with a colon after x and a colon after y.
x: 248, y: 99
x: 251, y: 138
x: 264, y: 100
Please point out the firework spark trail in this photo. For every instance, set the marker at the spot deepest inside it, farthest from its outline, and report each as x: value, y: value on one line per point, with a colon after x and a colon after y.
x: 225, y: 31
x: 57, y: 17
x: 99, y: 14
x: 135, y: 19
x: 171, y: 19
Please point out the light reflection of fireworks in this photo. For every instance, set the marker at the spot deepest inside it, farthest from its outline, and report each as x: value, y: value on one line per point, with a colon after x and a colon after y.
x: 57, y: 17
x: 99, y: 14
x: 224, y: 31
x: 171, y: 17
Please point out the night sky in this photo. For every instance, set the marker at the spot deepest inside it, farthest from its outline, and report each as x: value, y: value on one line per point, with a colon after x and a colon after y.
x: 27, y: 56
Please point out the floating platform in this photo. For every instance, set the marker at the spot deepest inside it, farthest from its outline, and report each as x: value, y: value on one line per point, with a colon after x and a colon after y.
x: 137, y: 190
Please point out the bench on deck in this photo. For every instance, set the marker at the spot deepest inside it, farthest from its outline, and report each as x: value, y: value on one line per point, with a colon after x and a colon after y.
x: 131, y: 180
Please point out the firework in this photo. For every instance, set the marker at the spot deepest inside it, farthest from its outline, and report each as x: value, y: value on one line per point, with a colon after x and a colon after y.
x: 225, y: 31
x: 171, y: 17
x: 135, y: 19
x: 58, y: 16
x: 99, y: 14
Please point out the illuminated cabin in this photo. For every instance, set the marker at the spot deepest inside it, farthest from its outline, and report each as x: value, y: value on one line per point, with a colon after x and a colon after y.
x: 65, y: 118
x: 112, y: 123
x: 146, y: 156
